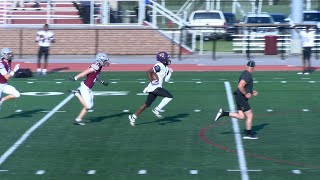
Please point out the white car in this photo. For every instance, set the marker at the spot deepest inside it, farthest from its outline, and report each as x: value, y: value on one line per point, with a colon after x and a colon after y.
x: 208, y: 23
x: 255, y: 19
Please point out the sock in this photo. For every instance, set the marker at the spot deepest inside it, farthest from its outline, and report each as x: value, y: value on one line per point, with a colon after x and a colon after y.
x: 134, y: 116
x: 78, y: 119
x: 39, y: 70
x: 248, y: 132
x: 225, y: 113
x: 163, y: 103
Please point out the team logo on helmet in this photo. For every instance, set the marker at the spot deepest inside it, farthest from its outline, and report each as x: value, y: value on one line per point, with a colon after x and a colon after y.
x: 164, y: 58
x: 6, y: 53
x: 102, y: 59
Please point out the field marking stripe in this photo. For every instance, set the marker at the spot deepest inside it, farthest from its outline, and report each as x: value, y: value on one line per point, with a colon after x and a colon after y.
x: 237, y: 135
x: 24, y: 137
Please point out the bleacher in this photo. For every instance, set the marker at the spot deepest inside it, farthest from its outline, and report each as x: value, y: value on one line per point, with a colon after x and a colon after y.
x: 56, y: 13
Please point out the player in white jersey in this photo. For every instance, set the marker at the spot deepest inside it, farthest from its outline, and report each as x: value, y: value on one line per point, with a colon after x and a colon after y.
x: 154, y: 88
x: 44, y: 39
x: 307, y: 42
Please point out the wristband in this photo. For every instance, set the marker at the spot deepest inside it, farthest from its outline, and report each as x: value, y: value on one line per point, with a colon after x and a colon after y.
x: 11, y: 73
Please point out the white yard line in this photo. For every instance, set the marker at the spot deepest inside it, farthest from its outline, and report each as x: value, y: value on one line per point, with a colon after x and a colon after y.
x: 25, y: 136
x: 237, y: 135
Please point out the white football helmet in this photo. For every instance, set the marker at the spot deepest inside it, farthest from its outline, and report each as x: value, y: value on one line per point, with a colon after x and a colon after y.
x: 6, y: 53
x: 102, y: 59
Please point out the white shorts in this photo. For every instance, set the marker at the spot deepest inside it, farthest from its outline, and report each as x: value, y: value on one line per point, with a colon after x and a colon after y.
x: 8, y: 89
x: 87, y: 95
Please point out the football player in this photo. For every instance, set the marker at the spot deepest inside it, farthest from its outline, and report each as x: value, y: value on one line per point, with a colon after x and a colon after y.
x: 5, y: 74
x: 84, y: 92
x: 154, y: 88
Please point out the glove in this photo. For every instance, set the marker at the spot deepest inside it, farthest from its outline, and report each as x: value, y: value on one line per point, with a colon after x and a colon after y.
x: 16, y: 68
x: 72, y: 78
x: 155, y: 82
x: 105, y: 83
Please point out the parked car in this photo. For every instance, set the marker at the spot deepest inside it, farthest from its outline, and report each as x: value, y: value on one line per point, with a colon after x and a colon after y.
x: 208, y: 23
x: 279, y: 17
x: 261, y: 18
x: 231, y: 29
x: 311, y: 17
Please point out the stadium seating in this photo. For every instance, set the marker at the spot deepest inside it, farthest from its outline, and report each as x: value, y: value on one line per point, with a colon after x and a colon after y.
x: 57, y: 13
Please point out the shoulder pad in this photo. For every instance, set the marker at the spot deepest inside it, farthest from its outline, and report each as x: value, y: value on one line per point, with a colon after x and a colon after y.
x: 157, y: 68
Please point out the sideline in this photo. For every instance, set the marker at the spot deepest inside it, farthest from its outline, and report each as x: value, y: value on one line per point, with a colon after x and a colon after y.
x: 24, y: 137
x: 237, y: 135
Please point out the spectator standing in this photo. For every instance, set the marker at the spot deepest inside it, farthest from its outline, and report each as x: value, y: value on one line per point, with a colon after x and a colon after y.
x: 44, y: 38
x: 307, y: 40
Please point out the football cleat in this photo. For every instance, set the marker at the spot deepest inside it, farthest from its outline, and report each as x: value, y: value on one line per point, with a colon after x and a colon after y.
x: 157, y: 113
x: 219, y: 114
x: 132, y: 120
x: 78, y: 122
x: 250, y: 137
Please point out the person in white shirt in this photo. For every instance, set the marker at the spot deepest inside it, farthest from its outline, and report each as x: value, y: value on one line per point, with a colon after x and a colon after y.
x: 154, y: 88
x: 44, y: 38
x: 307, y: 42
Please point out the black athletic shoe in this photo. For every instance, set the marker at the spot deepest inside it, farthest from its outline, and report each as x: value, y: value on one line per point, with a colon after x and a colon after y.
x: 250, y: 137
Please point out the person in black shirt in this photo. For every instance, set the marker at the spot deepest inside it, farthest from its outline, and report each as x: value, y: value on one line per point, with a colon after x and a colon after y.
x: 242, y: 95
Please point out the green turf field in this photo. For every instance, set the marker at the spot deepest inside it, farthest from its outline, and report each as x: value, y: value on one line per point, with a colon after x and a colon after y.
x: 184, y: 145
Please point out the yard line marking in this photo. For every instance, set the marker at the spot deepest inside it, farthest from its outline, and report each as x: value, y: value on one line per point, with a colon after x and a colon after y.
x: 142, y: 82
x: 199, y: 82
x: 142, y: 171
x: 91, y: 172
x: 193, y: 171
x: 59, y: 79
x: 255, y: 82
x: 305, y: 110
x: 113, y: 82
x: 18, y: 110
x: 39, y: 172
x: 249, y: 170
x: 142, y: 94
x: 126, y: 110
x: 90, y: 110
x: 269, y: 110
x: 50, y: 111
x: 170, y: 82
x: 4, y: 170
x: 24, y: 137
x: 30, y: 82
x: 283, y: 82
x: 236, y: 130
x: 296, y: 171
x: 311, y: 81
x: 197, y: 110
x: 58, y: 82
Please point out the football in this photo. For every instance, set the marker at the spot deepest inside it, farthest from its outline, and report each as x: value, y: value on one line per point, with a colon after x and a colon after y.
x: 154, y: 76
